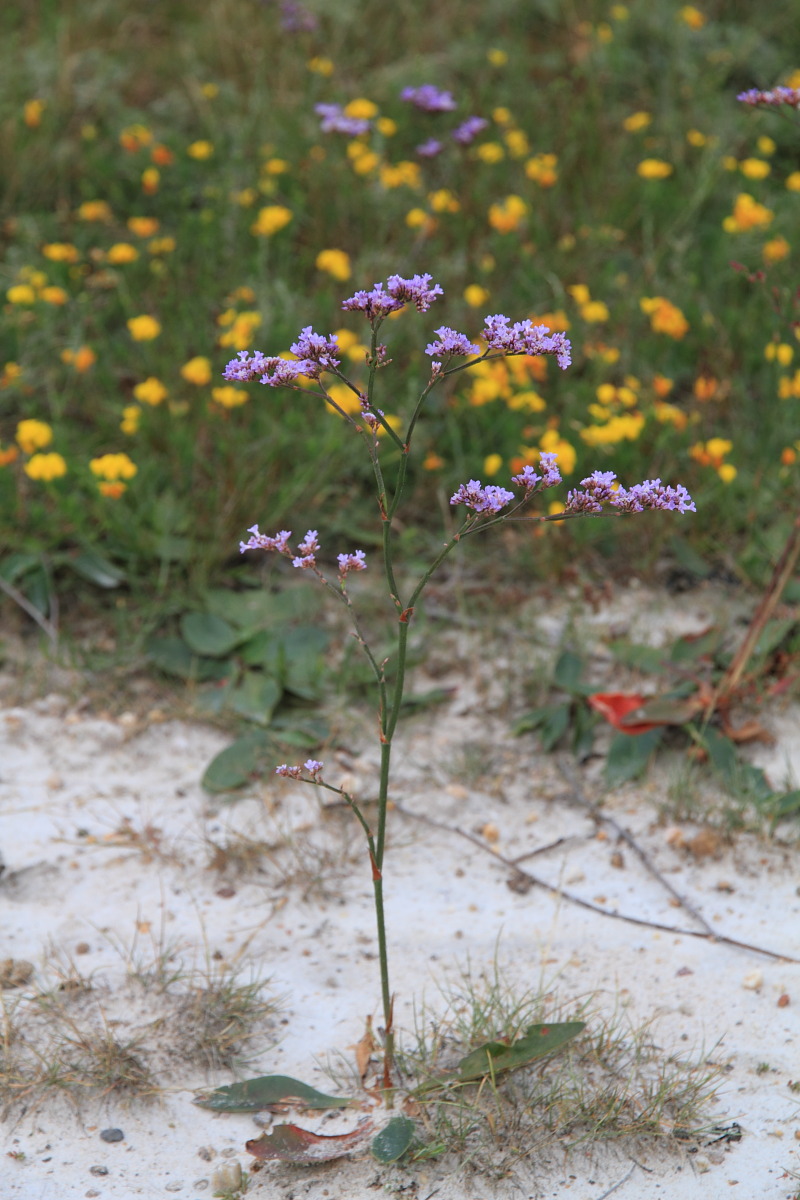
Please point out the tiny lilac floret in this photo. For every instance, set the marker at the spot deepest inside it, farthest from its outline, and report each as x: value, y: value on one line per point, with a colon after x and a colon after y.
x: 313, y: 766
x: 289, y: 772
x: 317, y: 348
x: 468, y: 130
x: 351, y: 562
x: 774, y: 98
x: 334, y: 120
x: 399, y: 291
x: 309, y: 544
x: 262, y: 541
x: 451, y: 342
x: 526, y: 338
x: 429, y: 149
x: 490, y: 499
x: 428, y: 98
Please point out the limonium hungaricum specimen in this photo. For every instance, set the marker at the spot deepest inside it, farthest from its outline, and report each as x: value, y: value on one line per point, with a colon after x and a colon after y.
x: 317, y: 358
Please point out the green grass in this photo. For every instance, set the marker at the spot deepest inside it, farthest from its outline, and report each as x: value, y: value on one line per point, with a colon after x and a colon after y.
x: 574, y: 73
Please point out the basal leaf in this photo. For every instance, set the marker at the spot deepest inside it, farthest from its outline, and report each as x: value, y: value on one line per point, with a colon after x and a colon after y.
x: 538, y: 1041
x: 208, y: 635
x: 238, y: 763
x: 255, y: 697
x: 629, y: 755
x: 96, y: 569
x: 568, y: 671
x: 172, y: 656
x: 256, y: 1095
x: 393, y: 1140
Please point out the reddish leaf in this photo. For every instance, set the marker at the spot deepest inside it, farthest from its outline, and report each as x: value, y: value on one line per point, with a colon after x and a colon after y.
x: 615, y: 706
x: 290, y: 1143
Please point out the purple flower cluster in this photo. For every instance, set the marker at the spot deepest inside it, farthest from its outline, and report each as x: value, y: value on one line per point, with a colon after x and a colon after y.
x: 319, y: 349
x: 482, y: 499
x: 652, y: 493
x: 307, y: 550
x: 468, y: 130
x: 399, y: 291
x: 428, y: 98
x: 285, y: 372
x: 528, y: 478
x: 334, y: 120
x: 451, y: 342
x: 526, y: 338
x: 430, y: 148
x: 772, y: 99
x: 311, y: 765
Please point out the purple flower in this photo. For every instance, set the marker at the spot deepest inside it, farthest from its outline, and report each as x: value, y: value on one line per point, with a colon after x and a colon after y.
x: 549, y: 464
x: 284, y: 372
x: 528, y: 478
x: 351, y: 562
x: 772, y: 99
x: 430, y: 148
x: 335, y: 121
x: 468, y: 130
x: 451, y: 342
x: 399, y: 291
x: 652, y: 493
x: 482, y: 499
x: 526, y: 338
x: 428, y: 98
x: 582, y: 502
x: 261, y: 541
x: 319, y: 349
x: 306, y: 551
x: 313, y: 766
x: 289, y: 772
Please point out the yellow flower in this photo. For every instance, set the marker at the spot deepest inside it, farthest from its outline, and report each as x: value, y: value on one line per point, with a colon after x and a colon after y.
x: 654, y: 168
x: 497, y: 58
x: 490, y: 152
x: 501, y: 116
x: 95, y: 210
x: 361, y: 109
x: 541, y: 169
x: 32, y: 113
x: 670, y: 414
x: 793, y: 181
x: 517, y: 142
x: 345, y: 398
x: 664, y: 316
x: 730, y: 163
x: 81, y: 359
x: 131, y: 416
x: 365, y: 162
x: 275, y: 166
x: 143, y: 227
x: 335, y: 262
x: 161, y: 245
x: 662, y: 386
x: 443, y: 200
x: 580, y: 293
x: 151, y: 177
x: 151, y: 391
x: 492, y: 464
x: 12, y: 371
x: 747, y: 214
x: 727, y: 472
x: 229, y: 397
x: 346, y: 339
x: 122, y: 252
x: 636, y: 121
x: 705, y: 387
x: 594, y: 311
x: 200, y: 150
x: 619, y: 12
x: 61, y: 252
x: 775, y: 250
x: 402, y: 174
x: 320, y: 65
x: 9, y: 455
x: 143, y: 328
x: 113, y: 466
x: 242, y: 328
x: 135, y: 137
x: 692, y: 16
x: 270, y: 220
x: 45, y: 467
x: 210, y: 91
x: 54, y: 295
x: 766, y: 145
x: 507, y: 215
x: 625, y: 427
x: 33, y: 435
x: 695, y: 138
x: 386, y: 127
x: 754, y: 168
x: 553, y: 443
x: 197, y: 370
x: 21, y: 293
x: 526, y: 402
x: 432, y: 461
x: 417, y: 218
x: 780, y: 352
x: 475, y: 295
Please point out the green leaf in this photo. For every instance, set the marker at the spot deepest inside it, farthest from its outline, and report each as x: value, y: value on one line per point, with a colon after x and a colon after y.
x: 771, y: 636
x: 15, y: 566
x: 584, y: 723
x: 255, y: 697
x: 172, y: 656
x: 209, y: 635
x: 304, y: 667
x: 629, y: 755
x: 649, y: 659
x: 787, y: 805
x: 257, y: 608
x: 568, y: 671
x: 96, y: 569
x: 690, y: 649
x: 554, y: 726
x: 531, y: 720
x: 263, y: 649
x: 305, y: 732
x: 493, y: 1058
x: 237, y: 764
x: 255, y: 1095
x: 393, y: 1140
x: 38, y: 587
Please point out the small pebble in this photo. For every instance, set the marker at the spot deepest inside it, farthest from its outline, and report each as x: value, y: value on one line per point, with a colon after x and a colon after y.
x: 173, y: 1187
x: 98, y: 1170
x: 753, y: 980
x: 783, y: 1000
x: 112, y: 1135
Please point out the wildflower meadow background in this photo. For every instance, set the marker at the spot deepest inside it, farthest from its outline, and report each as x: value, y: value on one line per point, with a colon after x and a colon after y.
x: 184, y: 182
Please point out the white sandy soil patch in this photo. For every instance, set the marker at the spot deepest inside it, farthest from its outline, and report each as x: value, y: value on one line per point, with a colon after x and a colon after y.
x: 118, y: 866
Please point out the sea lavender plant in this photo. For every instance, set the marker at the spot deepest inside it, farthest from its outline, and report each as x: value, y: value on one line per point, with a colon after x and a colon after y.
x: 317, y: 358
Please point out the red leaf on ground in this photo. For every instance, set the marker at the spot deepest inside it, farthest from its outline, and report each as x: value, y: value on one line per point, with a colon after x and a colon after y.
x: 290, y: 1143
x: 615, y: 706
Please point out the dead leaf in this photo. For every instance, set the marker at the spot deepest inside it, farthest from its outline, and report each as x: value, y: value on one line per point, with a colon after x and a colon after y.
x: 748, y: 731
x: 705, y: 844
x: 364, y: 1049
x: 290, y: 1143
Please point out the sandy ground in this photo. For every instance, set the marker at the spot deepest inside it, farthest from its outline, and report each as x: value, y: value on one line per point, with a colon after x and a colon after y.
x: 120, y: 872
